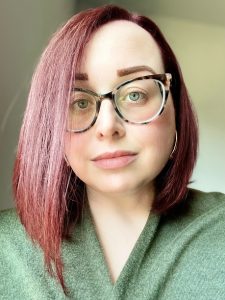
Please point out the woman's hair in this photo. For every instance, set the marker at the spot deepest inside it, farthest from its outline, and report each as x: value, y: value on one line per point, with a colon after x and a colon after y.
x: 49, y: 197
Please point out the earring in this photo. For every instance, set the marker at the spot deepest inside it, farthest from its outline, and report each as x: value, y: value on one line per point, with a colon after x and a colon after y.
x: 66, y: 160
x: 174, y: 147
x: 68, y: 182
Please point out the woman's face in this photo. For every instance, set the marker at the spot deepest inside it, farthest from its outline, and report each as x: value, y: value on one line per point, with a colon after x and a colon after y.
x: 141, y: 150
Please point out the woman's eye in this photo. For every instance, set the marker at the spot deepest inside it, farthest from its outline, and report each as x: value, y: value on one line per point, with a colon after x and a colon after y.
x: 82, y: 103
x: 135, y: 96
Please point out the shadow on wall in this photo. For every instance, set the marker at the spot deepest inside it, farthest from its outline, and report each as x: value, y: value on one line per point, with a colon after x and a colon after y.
x: 25, y: 29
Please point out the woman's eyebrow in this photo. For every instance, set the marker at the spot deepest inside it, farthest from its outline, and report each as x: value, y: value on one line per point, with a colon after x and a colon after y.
x: 120, y: 72
x: 81, y: 76
x: 130, y: 70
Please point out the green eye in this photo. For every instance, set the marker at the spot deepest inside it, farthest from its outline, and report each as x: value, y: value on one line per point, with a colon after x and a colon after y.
x: 134, y: 96
x: 82, y: 104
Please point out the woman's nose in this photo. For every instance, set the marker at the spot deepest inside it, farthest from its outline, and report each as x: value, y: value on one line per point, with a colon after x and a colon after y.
x: 108, y: 123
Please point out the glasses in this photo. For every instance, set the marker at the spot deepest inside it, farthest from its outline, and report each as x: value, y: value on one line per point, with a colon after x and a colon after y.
x: 137, y: 101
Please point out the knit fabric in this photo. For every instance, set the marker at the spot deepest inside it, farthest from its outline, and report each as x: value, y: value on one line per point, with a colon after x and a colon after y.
x: 178, y: 257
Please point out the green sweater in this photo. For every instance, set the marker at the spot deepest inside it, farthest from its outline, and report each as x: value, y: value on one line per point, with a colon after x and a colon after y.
x: 174, y: 258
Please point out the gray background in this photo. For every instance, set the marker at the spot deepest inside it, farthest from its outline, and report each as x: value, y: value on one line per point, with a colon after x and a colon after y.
x: 196, y: 32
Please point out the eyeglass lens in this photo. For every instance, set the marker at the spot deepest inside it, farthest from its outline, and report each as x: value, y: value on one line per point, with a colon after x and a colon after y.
x: 138, y: 102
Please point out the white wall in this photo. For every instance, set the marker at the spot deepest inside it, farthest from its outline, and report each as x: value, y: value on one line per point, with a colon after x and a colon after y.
x: 200, y: 49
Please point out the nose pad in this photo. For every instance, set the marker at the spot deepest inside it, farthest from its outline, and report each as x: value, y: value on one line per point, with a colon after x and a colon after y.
x: 107, y: 112
x: 108, y: 122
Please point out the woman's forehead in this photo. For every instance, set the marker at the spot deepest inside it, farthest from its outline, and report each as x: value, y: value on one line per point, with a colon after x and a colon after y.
x: 118, y: 45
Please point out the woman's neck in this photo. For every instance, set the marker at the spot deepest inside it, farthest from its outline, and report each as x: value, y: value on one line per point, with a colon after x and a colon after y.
x: 126, y: 205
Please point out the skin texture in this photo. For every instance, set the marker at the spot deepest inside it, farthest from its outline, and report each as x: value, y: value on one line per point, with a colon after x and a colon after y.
x: 120, y: 198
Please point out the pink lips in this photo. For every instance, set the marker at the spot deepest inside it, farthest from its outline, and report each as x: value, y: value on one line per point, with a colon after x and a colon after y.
x: 113, y: 160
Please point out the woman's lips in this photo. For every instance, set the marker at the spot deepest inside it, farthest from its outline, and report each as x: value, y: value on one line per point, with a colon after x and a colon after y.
x: 114, y: 160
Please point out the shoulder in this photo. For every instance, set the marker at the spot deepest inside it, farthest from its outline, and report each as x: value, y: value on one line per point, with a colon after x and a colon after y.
x: 201, y: 216
x: 8, y: 215
x: 194, y: 243
x: 199, y: 204
x: 205, y: 205
x: 22, y: 271
x: 205, y: 200
x: 9, y: 222
x: 207, y: 211
x: 12, y: 233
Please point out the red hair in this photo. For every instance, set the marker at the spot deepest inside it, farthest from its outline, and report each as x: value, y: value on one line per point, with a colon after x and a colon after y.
x: 49, y: 198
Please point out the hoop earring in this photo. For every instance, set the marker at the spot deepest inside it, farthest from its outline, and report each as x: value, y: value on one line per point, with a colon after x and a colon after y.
x: 174, y: 147
x: 68, y: 182
x: 66, y: 160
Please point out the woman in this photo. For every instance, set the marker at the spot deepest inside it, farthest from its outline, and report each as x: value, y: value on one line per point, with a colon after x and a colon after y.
x: 106, y: 151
